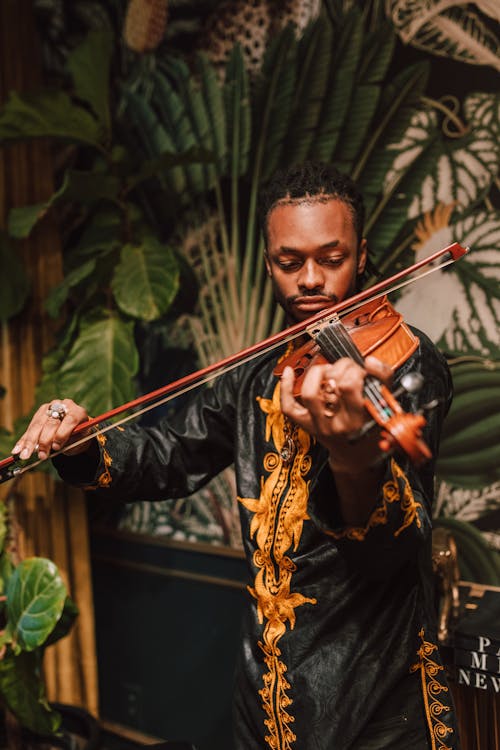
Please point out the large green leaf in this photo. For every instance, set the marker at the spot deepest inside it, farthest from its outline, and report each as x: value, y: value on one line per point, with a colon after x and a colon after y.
x: 238, y: 113
x: 213, y: 97
x: 315, y: 54
x: 21, y: 687
x: 48, y: 114
x: 154, y: 167
x: 378, y: 49
x: 273, y: 103
x: 398, y: 103
x: 83, y: 187
x: 459, y: 307
x: 14, y: 284
x: 6, y: 565
x: 48, y: 387
x: 414, y: 157
x: 153, y: 138
x: 343, y: 70
x: 35, y: 601
x: 65, y: 623
x: 174, y: 110
x: 200, y: 127
x: 462, y: 174
x: 146, y: 279
x: 356, y: 126
x: 429, y: 169
x: 100, y: 236
x: 89, y: 64
x: 483, y: 109
x: 100, y: 368
x: 59, y: 294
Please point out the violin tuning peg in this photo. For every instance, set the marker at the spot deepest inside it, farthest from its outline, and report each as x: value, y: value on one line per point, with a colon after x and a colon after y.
x: 412, y: 382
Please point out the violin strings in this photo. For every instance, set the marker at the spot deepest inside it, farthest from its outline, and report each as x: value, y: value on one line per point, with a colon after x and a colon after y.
x: 336, y: 342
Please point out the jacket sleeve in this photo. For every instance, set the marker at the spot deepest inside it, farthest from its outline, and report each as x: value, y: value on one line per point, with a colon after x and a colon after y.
x: 401, y: 520
x: 172, y: 459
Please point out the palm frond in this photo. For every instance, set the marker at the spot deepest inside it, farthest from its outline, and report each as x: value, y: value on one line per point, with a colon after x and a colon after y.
x: 343, y: 73
x: 315, y: 54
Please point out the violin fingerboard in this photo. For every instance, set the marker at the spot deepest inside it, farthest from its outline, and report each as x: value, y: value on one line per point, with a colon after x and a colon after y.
x: 334, y: 341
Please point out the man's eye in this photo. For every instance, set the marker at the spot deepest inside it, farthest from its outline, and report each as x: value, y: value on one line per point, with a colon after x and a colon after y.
x: 332, y: 261
x: 288, y: 265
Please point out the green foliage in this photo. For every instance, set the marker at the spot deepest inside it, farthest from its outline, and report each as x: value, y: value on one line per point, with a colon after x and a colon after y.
x: 36, y: 611
x: 48, y: 114
x: 35, y: 601
x: 89, y: 65
x: 146, y: 280
x: 469, y: 455
x: 108, y: 343
x: 14, y: 285
x: 21, y: 687
x: 116, y: 271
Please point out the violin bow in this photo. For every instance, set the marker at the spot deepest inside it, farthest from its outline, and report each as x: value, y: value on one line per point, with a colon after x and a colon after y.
x: 12, y: 466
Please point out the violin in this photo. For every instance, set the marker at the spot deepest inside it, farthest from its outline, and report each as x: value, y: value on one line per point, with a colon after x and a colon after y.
x: 374, y: 328
x: 371, y: 328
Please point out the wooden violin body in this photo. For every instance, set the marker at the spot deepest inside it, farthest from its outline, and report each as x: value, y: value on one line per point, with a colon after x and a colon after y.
x: 376, y: 329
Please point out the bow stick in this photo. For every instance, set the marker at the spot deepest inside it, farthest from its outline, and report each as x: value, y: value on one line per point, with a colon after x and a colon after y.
x: 12, y: 466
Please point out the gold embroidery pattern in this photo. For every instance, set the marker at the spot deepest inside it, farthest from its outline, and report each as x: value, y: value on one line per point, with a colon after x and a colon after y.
x: 278, y: 518
x: 390, y: 494
x: 430, y: 671
x: 104, y: 479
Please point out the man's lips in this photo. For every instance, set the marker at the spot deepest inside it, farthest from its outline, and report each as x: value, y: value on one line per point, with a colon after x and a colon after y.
x: 314, y: 302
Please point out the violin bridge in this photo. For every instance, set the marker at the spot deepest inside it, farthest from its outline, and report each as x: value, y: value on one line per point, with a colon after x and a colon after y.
x: 316, y: 329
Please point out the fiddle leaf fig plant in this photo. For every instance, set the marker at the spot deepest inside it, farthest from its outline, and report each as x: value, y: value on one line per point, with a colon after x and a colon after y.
x: 35, y: 611
x: 118, y: 270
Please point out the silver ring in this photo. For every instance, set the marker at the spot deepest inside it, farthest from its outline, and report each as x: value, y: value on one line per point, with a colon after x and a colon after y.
x: 57, y: 410
x: 331, y: 408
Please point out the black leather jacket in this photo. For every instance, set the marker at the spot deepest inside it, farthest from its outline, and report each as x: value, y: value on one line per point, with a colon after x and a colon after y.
x: 337, y: 616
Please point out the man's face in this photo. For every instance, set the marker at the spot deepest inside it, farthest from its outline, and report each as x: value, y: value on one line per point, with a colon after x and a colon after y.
x: 313, y: 257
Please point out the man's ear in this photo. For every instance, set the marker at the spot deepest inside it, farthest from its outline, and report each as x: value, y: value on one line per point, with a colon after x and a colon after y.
x: 362, y: 256
x: 268, y: 264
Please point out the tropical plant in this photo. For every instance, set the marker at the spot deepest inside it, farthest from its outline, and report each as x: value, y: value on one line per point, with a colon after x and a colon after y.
x: 323, y: 96
x: 469, y: 455
x: 117, y: 270
x: 35, y: 612
x: 453, y: 30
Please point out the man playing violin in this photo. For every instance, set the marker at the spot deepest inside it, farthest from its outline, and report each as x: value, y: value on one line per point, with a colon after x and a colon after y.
x: 339, y: 637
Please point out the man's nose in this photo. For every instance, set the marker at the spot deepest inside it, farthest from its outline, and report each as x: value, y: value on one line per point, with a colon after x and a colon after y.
x: 311, y: 276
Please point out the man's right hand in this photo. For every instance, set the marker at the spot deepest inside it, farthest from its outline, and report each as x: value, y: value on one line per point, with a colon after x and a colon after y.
x: 51, y: 429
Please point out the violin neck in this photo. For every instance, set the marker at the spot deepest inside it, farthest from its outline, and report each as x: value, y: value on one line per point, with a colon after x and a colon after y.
x: 335, y: 342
